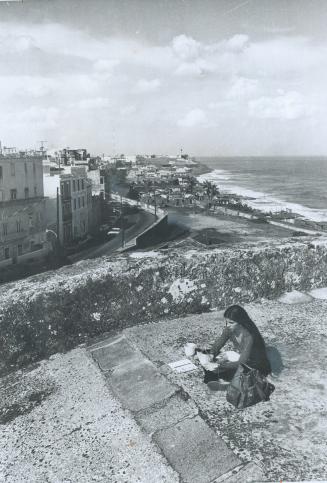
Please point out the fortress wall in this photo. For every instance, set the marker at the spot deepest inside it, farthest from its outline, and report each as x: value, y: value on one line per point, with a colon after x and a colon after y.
x: 58, y: 310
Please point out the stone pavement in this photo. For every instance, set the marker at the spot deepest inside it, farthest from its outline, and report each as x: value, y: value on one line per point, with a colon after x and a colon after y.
x: 169, y: 416
x: 286, y: 436
x: 60, y: 423
x: 132, y: 419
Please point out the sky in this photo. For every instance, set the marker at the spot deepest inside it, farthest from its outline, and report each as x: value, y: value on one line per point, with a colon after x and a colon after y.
x: 214, y: 77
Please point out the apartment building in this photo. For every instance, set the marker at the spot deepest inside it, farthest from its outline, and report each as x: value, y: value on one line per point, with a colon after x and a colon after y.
x: 69, y: 203
x: 22, y: 209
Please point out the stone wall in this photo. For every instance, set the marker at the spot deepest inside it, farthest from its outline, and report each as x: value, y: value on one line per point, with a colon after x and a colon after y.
x: 154, y: 233
x: 55, y: 311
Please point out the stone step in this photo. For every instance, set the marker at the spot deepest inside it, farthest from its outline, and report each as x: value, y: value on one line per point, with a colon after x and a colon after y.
x: 164, y: 411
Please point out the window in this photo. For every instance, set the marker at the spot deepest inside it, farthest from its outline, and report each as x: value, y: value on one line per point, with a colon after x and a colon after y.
x: 78, y: 184
x: 101, y: 180
x: 79, y: 202
x: 74, y: 203
x: 13, y: 194
x: 1, y: 173
x: 12, y: 169
x: 82, y: 183
x: 74, y: 185
x: 26, y: 191
x: 2, y: 196
x: 7, y: 253
x: 83, y: 202
x: 5, y: 229
x: 18, y: 226
x: 20, y: 250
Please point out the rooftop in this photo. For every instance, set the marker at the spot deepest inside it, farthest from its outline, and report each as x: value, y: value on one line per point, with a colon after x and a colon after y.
x: 69, y: 418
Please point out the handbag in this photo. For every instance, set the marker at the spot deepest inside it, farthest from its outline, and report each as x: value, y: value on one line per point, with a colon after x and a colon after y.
x: 248, y: 387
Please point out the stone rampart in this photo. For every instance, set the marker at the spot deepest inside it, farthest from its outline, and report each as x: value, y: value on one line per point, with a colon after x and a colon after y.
x: 57, y: 310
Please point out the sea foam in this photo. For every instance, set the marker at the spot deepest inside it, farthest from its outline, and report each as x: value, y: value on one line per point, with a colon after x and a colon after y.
x: 265, y: 202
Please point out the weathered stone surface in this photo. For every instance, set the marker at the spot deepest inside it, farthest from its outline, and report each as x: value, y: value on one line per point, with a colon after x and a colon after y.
x: 55, y: 311
x: 78, y: 432
x: 173, y: 411
x: 286, y: 435
x: 195, y: 451
x: 248, y: 473
x: 113, y: 352
x: 319, y: 293
x: 295, y: 297
x: 139, y: 385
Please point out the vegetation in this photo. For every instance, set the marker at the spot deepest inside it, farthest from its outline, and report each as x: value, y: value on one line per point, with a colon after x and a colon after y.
x: 211, y: 189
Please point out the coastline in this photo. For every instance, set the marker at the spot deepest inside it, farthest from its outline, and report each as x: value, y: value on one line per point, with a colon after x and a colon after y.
x: 258, y: 200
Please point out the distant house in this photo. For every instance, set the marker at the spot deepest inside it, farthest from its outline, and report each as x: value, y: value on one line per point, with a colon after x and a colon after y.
x: 222, y: 200
x: 188, y: 199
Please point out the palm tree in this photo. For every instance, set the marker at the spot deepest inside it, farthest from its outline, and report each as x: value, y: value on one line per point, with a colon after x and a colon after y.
x: 211, y: 189
x: 192, y: 182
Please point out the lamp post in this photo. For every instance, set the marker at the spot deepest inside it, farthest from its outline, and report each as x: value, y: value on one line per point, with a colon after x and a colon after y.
x: 122, y: 222
x: 155, y: 202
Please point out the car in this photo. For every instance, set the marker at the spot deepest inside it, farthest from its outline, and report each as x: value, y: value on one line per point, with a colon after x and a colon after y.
x: 114, y: 231
x: 104, y: 227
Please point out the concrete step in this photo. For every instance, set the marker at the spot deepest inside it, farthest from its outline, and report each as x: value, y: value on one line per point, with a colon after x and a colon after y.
x: 164, y: 411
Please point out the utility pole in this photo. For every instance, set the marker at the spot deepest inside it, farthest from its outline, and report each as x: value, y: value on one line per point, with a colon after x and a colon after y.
x: 58, y: 224
x: 155, y: 203
x: 122, y: 222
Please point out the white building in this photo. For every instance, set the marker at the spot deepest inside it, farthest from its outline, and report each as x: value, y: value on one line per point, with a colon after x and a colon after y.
x: 69, y: 203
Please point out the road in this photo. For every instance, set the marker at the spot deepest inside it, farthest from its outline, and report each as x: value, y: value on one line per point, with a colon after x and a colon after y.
x: 143, y: 220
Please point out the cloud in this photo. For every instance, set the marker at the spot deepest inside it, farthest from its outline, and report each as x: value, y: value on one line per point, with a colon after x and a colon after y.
x: 12, y: 44
x: 186, y: 48
x: 52, y: 72
x: 195, y: 117
x: 94, y: 103
x: 36, y: 117
x: 146, y: 85
x: 200, y: 67
x: 103, y: 68
x: 242, y: 87
x: 237, y: 43
x: 128, y: 110
x: 288, y: 106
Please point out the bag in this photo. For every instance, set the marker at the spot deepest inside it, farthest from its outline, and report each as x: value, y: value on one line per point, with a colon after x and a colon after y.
x: 248, y: 387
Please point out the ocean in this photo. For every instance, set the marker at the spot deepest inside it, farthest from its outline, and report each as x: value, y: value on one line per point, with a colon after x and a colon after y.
x: 274, y: 183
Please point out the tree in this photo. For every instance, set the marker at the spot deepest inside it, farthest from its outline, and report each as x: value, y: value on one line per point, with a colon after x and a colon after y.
x: 211, y: 189
x: 133, y: 193
x: 192, y: 182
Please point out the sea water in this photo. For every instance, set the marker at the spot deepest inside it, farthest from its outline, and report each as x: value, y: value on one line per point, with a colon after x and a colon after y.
x: 275, y: 183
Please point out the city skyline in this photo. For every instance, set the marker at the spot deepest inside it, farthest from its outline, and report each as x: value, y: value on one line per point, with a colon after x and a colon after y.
x: 217, y: 78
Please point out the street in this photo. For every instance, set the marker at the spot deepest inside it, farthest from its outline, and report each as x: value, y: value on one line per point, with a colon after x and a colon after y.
x: 143, y: 220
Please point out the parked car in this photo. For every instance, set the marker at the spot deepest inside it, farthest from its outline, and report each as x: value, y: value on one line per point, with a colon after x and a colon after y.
x: 113, y: 232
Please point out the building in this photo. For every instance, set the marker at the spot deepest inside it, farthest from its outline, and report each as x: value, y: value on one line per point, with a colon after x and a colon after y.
x: 69, y: 203
x: 98, y: 181
x: 22, y: 209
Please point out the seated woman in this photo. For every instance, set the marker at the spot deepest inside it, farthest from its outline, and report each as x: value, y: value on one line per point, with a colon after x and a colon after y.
x: 247, y: 341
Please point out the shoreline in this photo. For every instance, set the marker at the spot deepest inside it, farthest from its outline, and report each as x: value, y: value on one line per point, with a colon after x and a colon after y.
x: 257, y: 200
